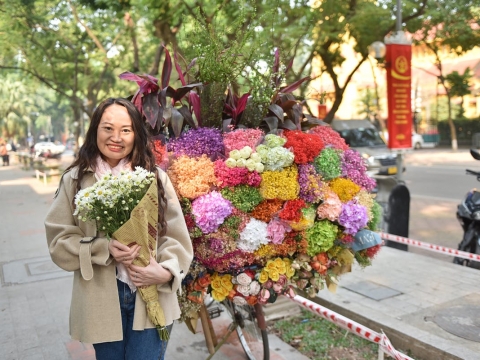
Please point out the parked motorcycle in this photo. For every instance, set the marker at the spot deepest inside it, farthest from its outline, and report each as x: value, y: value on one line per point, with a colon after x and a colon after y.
x: 468, y: 214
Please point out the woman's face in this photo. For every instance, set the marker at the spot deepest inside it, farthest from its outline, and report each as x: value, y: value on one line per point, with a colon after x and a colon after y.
x: 115, y: 137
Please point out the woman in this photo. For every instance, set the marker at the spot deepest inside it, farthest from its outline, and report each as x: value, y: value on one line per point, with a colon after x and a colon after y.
x: 106, y: 310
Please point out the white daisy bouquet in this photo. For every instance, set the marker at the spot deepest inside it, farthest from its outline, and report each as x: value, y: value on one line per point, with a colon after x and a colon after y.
x: 111, y: 200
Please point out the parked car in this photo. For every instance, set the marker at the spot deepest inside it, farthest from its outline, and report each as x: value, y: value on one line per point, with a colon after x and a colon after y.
x: 45, y: 146
x: 364, y: 137
x: 417, y: 141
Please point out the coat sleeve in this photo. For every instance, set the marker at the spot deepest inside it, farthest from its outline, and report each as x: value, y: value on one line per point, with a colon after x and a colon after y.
x: 64, y: 234
x: 175, y: 251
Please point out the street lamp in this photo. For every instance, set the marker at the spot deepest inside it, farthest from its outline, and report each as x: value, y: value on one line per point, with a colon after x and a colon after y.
x: 377, y: 49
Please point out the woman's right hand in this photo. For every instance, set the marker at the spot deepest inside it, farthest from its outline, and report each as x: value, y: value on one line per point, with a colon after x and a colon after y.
x: 122, y: 253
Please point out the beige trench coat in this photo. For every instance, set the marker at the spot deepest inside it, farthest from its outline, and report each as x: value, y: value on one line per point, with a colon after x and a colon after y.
x: 95, y: 308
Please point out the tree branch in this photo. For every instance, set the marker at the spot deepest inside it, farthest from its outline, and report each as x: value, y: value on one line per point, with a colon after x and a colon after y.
x: 89, y: 31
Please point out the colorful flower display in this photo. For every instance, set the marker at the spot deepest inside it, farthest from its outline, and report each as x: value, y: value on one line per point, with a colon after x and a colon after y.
x: 269, y: 213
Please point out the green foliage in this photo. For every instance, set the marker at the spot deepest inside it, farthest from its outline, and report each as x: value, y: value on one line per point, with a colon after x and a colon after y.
x: 243, y: 197
x: 318, y: 338
x: 459, y: 85
x: 376, y: 218
x: 465, y: 129
x: 222, y: 50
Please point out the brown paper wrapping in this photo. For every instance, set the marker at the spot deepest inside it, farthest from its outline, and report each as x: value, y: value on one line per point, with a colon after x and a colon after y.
x: 142, y: 229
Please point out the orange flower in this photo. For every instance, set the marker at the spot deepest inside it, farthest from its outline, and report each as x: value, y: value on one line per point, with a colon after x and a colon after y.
x: 192, y: 177
x: 266, y: 209
x: 204, y: 281
x: 251, y: 300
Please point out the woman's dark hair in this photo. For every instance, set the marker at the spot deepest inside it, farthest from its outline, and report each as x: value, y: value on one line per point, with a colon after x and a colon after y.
x: 141, y: 154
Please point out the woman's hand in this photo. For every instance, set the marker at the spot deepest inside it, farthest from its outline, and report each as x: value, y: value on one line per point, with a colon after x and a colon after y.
x: 152, y: 274
x: 122, y: 253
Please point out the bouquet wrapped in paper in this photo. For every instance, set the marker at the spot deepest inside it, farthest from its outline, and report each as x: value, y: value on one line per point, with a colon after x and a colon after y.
x: 125, y: 208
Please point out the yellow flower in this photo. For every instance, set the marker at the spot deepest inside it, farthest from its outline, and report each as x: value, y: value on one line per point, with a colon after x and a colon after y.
x: 345, y: 189
x: 281, y: 184
x: 270, y: 266
x: 224, y: 292
x: 280, y: 265
x: 263, y: 277
x: 216, y: 282
x: 226, y: 281
x: 290, y: 271
x: 218, y: 296
x: 274, y: 275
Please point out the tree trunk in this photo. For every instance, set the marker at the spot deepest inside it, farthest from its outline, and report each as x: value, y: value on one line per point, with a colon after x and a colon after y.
x: 453, y: 132
x: 336, y: 104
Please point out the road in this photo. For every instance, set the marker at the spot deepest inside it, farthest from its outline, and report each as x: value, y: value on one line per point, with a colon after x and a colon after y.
x: 437, y: 182
x: 442, y: 182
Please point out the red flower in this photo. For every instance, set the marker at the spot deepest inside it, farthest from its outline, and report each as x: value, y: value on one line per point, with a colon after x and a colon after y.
x: 292, y: 211
x: 305, y: 147
x: 372, y: 251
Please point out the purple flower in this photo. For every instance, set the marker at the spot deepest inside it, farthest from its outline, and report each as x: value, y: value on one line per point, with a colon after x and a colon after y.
x: 310, y: 183
x: 353, y: 217
x: 216, y: 245
x: 197, y: 142
x: 210, y: 210
x: 353, y: 168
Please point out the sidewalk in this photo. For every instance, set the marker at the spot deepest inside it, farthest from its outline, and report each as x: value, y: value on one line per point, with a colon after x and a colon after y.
x: 35, y: 294
x: 424, y: 303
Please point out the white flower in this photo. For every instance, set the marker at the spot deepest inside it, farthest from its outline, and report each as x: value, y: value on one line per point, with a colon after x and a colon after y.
x: 231, y: 162
x: 243, y: 289
x: 238, y: 300
x: 235, y: 154
x: 240, y: 163
x: 250, y: 165
x: 255, y: 287
x: 259, y: 167
x: 245, y: 152
x: 243, y: 279
x: 256, y: 157
x: 253, y: 235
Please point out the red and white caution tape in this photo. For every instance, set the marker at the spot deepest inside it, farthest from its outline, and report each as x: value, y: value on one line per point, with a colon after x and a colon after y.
x: 432, y: 247
x: 356, y: 328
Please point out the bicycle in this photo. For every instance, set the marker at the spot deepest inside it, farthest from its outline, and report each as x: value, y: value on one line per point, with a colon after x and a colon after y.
x: 249, y: 323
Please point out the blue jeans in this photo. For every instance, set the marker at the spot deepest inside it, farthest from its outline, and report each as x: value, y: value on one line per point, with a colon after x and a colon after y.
x: 144, y: 344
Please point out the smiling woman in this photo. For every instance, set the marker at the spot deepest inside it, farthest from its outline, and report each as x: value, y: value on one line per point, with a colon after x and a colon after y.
x: 125, y: 310
x: 115, y: 136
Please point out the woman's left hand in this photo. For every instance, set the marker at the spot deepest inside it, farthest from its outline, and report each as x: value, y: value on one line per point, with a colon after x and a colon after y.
x: 152, y: 274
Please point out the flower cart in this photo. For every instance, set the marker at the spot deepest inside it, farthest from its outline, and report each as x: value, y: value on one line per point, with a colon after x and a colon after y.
x: 274, y: 199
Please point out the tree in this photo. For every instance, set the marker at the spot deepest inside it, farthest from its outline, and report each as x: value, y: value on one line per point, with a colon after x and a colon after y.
x: 66, y: 47
x: 16, y: 106
x: 459, y: 86
x: 453, y: 26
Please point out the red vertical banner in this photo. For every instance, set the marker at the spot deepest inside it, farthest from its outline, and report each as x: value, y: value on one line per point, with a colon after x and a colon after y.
x: 322, y: 111
x: 399, y: 84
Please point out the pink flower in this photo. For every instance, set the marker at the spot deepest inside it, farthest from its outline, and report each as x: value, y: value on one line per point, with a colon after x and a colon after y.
x: 264, y: 295
x: 280, y: 284
x: 331, y: 207
x: 268, y: 284
x: 276, y: 230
